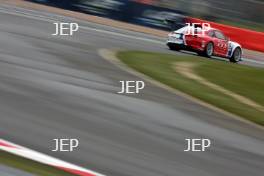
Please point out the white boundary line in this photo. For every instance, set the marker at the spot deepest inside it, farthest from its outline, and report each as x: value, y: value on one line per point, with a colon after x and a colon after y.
x: 252, y: 61
x: 45, y: 159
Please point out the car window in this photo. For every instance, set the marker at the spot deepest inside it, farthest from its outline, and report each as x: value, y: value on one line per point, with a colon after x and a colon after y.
x: 211, y: 33
x: 182, y: 30
x: 220, y: 35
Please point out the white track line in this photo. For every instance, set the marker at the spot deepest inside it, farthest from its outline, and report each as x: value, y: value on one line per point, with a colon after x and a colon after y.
x: 253, y: 61
x: 45, y: 159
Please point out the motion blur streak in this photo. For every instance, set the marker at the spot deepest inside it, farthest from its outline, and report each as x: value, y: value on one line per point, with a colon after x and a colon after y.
x: 52, y: 87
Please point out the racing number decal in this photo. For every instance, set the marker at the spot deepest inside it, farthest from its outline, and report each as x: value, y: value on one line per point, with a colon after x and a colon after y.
x: 221, y: 48
x: 222, y: 45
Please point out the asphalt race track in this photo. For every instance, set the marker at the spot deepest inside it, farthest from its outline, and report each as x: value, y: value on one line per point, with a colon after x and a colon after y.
x: 59, y: 87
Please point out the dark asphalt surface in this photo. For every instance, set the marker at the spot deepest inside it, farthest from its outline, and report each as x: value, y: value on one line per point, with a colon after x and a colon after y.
x: 59, y: 87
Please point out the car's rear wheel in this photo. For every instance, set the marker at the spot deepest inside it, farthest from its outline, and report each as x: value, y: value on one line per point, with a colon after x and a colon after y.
x: 209, y: 49
x: 236, y: 57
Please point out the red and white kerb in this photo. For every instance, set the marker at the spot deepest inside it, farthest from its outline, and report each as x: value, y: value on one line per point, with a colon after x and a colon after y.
x: 45, y: 159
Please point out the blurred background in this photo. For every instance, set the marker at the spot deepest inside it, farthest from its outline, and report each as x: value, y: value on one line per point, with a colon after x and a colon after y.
x: 241, y: 13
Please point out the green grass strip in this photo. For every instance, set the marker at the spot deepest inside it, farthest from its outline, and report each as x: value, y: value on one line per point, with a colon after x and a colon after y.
x: 243, y: 80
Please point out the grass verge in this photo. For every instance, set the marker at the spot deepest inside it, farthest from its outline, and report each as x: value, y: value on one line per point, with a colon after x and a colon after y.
x: 243, y: 80
x: 30, y: 166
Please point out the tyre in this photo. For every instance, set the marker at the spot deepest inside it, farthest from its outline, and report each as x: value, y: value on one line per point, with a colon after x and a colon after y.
x: 209, y: 50
x: 236, y: 57
x: 173, y: 47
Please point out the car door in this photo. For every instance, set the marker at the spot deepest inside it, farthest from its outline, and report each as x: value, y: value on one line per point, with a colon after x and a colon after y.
x: 221, y: 44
